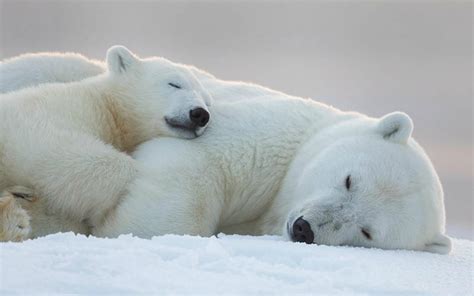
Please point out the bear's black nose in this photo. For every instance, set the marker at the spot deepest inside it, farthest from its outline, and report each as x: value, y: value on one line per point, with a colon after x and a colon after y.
x: 199, y: 116
x: 302, y: 231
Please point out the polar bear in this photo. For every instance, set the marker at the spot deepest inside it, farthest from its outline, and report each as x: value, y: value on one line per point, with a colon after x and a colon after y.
x: 69, y: 141
x: 271, y: 163
x: 291, y: 167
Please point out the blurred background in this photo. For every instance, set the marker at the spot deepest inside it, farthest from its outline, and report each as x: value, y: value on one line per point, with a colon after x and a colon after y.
x: 371, y: 56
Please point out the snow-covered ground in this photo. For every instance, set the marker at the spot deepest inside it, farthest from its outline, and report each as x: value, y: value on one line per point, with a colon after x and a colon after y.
x: 65, y: 263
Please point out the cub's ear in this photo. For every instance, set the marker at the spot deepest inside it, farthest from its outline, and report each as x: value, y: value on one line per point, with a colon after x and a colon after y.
x: 441, y: 244
x: 396, y: 126
x: 120, y: 59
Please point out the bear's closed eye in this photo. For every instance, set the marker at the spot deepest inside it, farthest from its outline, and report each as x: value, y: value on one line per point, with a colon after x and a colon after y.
x: 348, y: 182
x: 366, y: 233
x: 174, y: 85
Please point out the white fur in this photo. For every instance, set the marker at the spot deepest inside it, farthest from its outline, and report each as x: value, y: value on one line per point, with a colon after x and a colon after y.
x: 266, y: 162
x: 67, y: 141
x: 268, y: 158
x: 33, y: 69
x: 394, y: 194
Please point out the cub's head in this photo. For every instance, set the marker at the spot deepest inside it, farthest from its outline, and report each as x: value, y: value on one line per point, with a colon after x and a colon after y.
x: 370, y: 184
x: 167, y: 96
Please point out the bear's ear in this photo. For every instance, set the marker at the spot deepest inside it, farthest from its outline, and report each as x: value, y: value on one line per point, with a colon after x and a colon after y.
x: 441, y: 244
x: 120, y: 59
x: 396, y: 126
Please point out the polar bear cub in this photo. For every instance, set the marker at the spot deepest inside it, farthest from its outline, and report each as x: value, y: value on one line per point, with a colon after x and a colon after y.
x: 67, y: 141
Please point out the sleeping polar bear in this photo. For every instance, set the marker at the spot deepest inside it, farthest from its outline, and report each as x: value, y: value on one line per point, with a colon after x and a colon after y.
x: 270, y: 163
x: 69, y: 141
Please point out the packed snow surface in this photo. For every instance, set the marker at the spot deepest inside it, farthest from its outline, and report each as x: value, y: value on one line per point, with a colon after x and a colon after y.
x: 65, y: 263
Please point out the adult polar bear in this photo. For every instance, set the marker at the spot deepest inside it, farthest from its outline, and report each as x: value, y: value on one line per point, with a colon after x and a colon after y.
x: 67, y: 141
x: 275, y: 164
x: 33, y: 69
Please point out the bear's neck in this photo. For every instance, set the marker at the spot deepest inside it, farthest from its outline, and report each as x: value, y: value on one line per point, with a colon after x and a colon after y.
x: 123, y: 126
x: 256, y: 146
x: 124, y: 130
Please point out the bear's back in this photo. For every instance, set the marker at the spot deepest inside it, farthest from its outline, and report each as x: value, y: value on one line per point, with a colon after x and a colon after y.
x: 34, y: 69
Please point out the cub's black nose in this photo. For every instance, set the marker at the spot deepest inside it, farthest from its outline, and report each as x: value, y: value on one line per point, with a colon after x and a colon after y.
x: 302, y: 231
x: 199, y: 116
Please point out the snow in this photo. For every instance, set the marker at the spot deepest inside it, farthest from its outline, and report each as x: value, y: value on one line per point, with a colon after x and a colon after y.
x: 65, y: 263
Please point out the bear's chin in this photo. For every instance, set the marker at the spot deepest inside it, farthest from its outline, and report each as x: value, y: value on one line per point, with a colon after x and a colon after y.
x: 184, y: 133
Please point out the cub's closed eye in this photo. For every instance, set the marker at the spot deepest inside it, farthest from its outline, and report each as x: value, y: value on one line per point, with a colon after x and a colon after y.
x: 348, y: 182
x: 174, y: 85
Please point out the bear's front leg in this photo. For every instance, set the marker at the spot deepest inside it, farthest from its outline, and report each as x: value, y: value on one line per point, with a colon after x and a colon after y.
x: 81, y: 178
x: 14, y: 219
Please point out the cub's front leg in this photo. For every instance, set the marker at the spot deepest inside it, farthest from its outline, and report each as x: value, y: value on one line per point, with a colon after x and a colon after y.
x: 25, y: 215
x: 14, y: 219
x: 82, y: 179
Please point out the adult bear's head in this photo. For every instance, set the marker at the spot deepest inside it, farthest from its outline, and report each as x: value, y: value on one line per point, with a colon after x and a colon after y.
x: 366, y: 182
